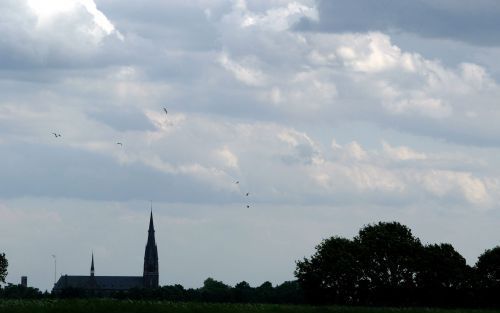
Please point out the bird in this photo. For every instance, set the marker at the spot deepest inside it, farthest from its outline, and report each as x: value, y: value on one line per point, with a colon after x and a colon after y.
x: 237, y: 182
x: 248, y: 207
x: 247, y: 194
x: 119, y: 143
x: 56, y: 135
x: 165, y: 109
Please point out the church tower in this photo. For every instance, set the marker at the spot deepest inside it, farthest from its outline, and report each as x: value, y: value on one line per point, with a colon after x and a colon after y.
x: 151, y: 274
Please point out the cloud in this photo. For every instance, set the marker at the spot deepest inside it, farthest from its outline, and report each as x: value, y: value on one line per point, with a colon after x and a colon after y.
x: 442, y: 183
x: 228, y: 157
x: 246, y: 74
x: 53, y: 34
x: 277, y: 18
x: 249, y: 99
x: 474, y: 23
x: 402, y: 153
x: 50, y: 11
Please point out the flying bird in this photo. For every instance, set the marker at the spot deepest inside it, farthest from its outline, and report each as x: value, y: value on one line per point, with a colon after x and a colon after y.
x: 237, y: 182
x: 247, y: 194
x: 119, y: 143
x: 248, y: 207
x: 56, y: 135
x: 165, y: 109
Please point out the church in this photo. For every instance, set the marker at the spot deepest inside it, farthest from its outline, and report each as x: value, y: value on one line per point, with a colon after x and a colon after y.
x: 110, y: 284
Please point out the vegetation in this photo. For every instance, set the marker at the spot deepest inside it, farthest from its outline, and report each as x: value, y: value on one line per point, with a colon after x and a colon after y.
x: 111, y: 306
x: 21, y: 292
x: 3, y: 267
x: 385, y: 265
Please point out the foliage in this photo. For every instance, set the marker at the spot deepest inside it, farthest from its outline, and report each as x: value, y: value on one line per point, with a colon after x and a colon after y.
x: 441, y: 266
x: 388, y: 254
x: 332, y: 272
x: 385, y: 265
x: 3, y: 267
x: 216, y: 291
x: 488, y: 268
x: 12, y: 291
x: 117, y: 306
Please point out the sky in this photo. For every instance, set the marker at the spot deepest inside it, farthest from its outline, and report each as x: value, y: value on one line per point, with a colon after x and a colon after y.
x: 331, y: 114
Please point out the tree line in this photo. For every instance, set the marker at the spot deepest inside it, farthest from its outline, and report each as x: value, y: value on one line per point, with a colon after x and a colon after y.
x: 211, y: 291
x: 384, y: 265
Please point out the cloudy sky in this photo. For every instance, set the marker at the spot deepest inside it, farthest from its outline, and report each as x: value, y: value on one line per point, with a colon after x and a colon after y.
x: 331, y: 114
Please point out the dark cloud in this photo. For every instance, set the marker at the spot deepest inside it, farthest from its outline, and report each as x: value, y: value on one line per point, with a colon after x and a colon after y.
x: 475, y: 22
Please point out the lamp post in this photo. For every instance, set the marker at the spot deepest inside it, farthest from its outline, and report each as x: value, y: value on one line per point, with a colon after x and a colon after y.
x: 55, y: 268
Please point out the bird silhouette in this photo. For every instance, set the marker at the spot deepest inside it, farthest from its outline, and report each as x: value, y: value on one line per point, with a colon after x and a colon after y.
x: 247, y: 194
x: 248, y: 206
x: 119, y: 143
x: 165, y: 109
x: 56, y: 135
x: 237, y: 182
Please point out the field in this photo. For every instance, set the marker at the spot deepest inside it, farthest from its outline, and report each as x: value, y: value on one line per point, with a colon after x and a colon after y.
x: 110, y: 306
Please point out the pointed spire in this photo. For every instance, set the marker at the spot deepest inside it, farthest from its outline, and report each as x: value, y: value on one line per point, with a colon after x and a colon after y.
x: 92, y: 265
x: 151, y: 226
x: 150, y: 275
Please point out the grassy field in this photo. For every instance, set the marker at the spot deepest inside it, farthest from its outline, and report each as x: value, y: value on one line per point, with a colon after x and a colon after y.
x: 111, y: 306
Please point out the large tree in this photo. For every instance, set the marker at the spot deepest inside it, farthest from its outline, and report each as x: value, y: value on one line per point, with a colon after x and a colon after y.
x: 389, y: 254
x: 488, y: 268
x: 332, y: 273
x: 3, y: 267
x: 441, y: 266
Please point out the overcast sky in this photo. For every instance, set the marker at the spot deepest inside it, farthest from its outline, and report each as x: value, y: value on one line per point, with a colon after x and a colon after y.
x: 331, y: 114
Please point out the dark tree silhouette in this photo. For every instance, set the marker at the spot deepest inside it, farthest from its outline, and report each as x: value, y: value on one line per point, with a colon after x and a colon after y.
x: 3, y: 267
x: 388, y: 255
x: 215, y: 291
x: 441, y: 266
x: 243, y: 292
x: 332, y: 273
x: 488, y: 268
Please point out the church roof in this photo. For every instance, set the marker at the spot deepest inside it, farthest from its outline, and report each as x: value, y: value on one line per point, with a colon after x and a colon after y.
x: 99, y: 282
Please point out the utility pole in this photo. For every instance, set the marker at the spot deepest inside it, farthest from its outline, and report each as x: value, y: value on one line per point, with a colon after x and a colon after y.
x: 55, y: 268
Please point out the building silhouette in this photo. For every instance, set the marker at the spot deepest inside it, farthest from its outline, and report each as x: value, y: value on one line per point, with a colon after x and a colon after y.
x: 98, y: 285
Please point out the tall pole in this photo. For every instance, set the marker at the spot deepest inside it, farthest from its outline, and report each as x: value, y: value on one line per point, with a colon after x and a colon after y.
x: 55, y: 268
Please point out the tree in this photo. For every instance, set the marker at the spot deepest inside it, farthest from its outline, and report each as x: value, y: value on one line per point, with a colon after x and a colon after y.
x: 443, y: 278
x: 488, y: 268
x: 243, y: 292
x: 441, y: 266
x: 332, y: 273
x: 288, y: 292
x: 265, y: 292
x: 215, y: 291
x: 389, y: 255
x: 3, y: 267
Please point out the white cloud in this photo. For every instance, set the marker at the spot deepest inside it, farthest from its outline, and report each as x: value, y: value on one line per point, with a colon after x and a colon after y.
x: 373, y: 53
x: 244, y: 73
x: 402, y: 153
x: 228, y: 157
x: 430, y: 107
x: 355, y: 151
x: 442, y: 183
x: 278, y: 18
x: 49, y: 11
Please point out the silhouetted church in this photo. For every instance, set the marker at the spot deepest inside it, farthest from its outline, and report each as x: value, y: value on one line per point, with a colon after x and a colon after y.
x: 110, y: 284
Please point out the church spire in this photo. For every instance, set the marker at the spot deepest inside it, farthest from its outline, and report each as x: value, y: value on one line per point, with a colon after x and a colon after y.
x: 92, y: 265
x: 151, y: 225
x: 151, y: 273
